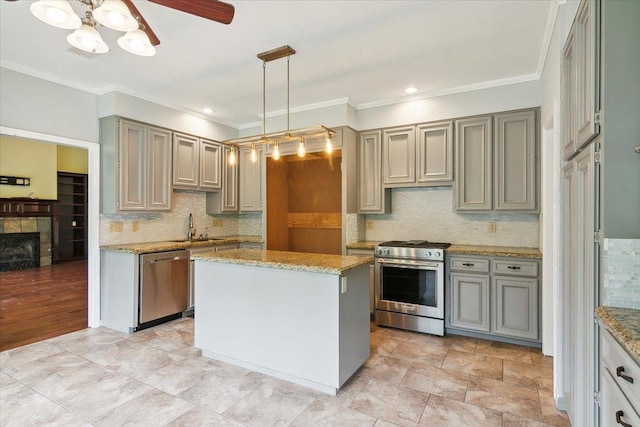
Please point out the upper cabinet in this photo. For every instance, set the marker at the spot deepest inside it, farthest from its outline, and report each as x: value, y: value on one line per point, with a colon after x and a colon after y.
x: 418, y: 155
x: 225, y: 201
x: 581, y: 75
x: 251, y: 199
x: 496, y: 163
x: 372, y: 197
x: 196, y: 163
x: 136, y: 166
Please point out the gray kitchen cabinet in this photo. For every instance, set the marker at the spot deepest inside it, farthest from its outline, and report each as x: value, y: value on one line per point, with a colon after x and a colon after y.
x: 367, y: 253
x: 226, y: 200
x: 372, y: 197
x: 196, y: 163
x: 136, y: 166
x: 470, y: 302
x: 398, y: 156
x: 418, y: 155
x: 515, y: 306
x: 494, y: 297
x: 251, y: 199
x: 581, y: 79
x: 496, y: 163
x: 434, y: 153
x: 515, y: 161
x: 474, y: 164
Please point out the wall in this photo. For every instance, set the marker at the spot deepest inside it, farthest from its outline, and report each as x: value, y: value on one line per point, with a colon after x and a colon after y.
x: 26, y: 158
x: 621, y: 272
x: 72, y: 159
x: 38, y: 105
x: 427, y: 213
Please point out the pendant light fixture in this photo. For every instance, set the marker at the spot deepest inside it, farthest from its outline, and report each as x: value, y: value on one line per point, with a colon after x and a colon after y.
x: 57, y: 13
x: 275, y: 138
x: 87, y: 38
x: 114, y: 14
x: 137, y: 42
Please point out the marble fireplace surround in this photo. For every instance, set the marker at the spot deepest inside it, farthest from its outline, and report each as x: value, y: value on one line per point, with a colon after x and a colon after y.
x: 19, y: 251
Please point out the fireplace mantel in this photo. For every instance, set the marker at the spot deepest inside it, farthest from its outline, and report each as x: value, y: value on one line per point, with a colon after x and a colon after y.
x: 26, y: 207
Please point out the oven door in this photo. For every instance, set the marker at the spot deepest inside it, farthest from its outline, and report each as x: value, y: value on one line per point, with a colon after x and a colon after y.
x: 410, y: 287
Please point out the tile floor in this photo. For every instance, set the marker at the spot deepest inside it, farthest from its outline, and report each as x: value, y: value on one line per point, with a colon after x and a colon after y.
x: 156, y: 377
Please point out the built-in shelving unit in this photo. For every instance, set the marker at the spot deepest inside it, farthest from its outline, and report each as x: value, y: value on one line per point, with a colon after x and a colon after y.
x: 70, y: 218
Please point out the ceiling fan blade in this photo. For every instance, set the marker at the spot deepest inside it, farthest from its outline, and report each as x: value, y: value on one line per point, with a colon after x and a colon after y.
x: 209, y: 9
x: 146, y: 28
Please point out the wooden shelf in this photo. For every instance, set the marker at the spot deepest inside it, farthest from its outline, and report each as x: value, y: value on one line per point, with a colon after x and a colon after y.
x: 70, y: 242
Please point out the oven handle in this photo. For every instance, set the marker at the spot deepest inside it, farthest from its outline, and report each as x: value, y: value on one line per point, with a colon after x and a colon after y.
x: 413, y: 265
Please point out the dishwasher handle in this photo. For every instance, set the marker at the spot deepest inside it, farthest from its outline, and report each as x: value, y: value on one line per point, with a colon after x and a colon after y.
x: 164, y: 256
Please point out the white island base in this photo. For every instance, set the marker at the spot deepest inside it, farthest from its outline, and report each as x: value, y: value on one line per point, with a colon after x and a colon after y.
x: 309, y: 328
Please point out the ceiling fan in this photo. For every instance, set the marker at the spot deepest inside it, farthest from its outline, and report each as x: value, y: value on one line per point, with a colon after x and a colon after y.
x: 213, y: 10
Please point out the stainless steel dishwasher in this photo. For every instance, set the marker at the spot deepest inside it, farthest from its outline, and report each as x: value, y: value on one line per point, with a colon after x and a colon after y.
x: 164, y: 286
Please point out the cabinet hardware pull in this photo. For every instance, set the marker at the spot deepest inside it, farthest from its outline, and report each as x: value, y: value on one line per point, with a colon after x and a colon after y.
x: 468, y: 264
x: 620, y: 373
x: 513, y: 267
x: 619, y: 415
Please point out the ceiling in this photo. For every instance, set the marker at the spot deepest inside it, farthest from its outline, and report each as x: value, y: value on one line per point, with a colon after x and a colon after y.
x: 361, y: 52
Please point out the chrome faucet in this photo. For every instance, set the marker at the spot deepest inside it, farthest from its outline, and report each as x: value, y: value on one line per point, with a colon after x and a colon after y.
x: 192, y: 231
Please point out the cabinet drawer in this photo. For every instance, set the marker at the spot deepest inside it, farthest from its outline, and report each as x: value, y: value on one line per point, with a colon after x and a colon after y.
x: 514, y: 268
x: 477, y: 265
x: 616, y: 360
x: 615, y: 409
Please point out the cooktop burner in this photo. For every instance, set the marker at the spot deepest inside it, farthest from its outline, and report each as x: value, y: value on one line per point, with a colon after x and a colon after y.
x: 414, y: 244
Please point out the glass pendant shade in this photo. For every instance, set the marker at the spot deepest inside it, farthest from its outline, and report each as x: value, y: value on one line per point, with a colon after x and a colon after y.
x: 329, y: 146
x: 115, y: 14
x: 88, y: 39
x: 254, y: 154
x: 232, y: 156
x: 301, y: 150
x: 276, y: 152
x: 137, y: 42
x: 57, y: 13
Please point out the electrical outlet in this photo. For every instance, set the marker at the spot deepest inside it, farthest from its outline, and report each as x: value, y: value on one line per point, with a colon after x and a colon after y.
x: 368, y: 224
x: 115, y: 227
x: 492, y: 227
x: 134, y: 226
x: 216, y: 222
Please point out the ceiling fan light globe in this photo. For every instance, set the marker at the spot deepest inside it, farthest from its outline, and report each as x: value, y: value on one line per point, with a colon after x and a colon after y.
x: 115, y: 14
x: 137, y: 42
x: 88, y: 39
x: 57, y: 13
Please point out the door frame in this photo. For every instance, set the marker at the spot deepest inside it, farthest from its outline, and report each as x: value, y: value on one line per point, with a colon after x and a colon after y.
x: 93, y: 180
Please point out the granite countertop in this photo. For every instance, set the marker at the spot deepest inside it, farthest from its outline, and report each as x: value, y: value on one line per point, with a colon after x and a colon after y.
x: 624, y: 325
x: 297, y: 261
x: 510, y: 251
x: 149, y: 247
x: 364, y: 244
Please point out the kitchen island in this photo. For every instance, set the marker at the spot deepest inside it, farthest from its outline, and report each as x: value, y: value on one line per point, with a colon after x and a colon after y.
x: 301, y: 317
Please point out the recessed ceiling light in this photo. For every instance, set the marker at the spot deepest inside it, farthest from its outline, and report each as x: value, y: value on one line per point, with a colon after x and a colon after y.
x: 411, y: 90
x: 207, y: 110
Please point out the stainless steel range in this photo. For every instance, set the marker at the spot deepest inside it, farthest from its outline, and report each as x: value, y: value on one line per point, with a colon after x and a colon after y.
x: 409, y: 285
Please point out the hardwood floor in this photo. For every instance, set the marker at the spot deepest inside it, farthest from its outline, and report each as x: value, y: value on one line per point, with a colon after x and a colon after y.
x: 41, y: 303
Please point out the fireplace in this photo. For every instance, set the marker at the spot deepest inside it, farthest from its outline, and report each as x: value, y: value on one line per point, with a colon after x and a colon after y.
x: 19, y: 251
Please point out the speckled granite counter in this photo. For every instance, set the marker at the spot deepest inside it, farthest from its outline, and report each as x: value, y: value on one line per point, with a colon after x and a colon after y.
x: 298, y: 261
x: 624, y: 325
x: 364, y: 244
x: 149, y: 247
x: 510, y: 251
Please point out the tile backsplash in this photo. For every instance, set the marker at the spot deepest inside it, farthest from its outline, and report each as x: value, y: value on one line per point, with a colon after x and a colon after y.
x: 621, y: 272
x: 428, y: 213
x: 174, y: 225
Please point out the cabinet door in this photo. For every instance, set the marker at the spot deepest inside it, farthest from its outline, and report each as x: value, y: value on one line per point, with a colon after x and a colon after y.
x: 470, y: 302
x: 569, y: 84
x: 159, y: 170
x: 250, y: 180
x: 229, y: 183
x: 434, y: 154
x: 616, y: 409
x: 515, y: 307
x: 210, y: 172
x: 398, y: 156
x: 587, y: 72
x: 514, y: 165
x: 186, y: 161
x: 371, y: 196
x: 132, y: 173
x: 474, y: 164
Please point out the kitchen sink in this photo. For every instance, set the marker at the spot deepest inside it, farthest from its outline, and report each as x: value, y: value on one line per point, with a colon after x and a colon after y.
x: 196, y: 240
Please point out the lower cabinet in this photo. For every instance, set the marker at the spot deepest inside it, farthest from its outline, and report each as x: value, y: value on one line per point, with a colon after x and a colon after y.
x: 494, y: 296
x: 367, y: 253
